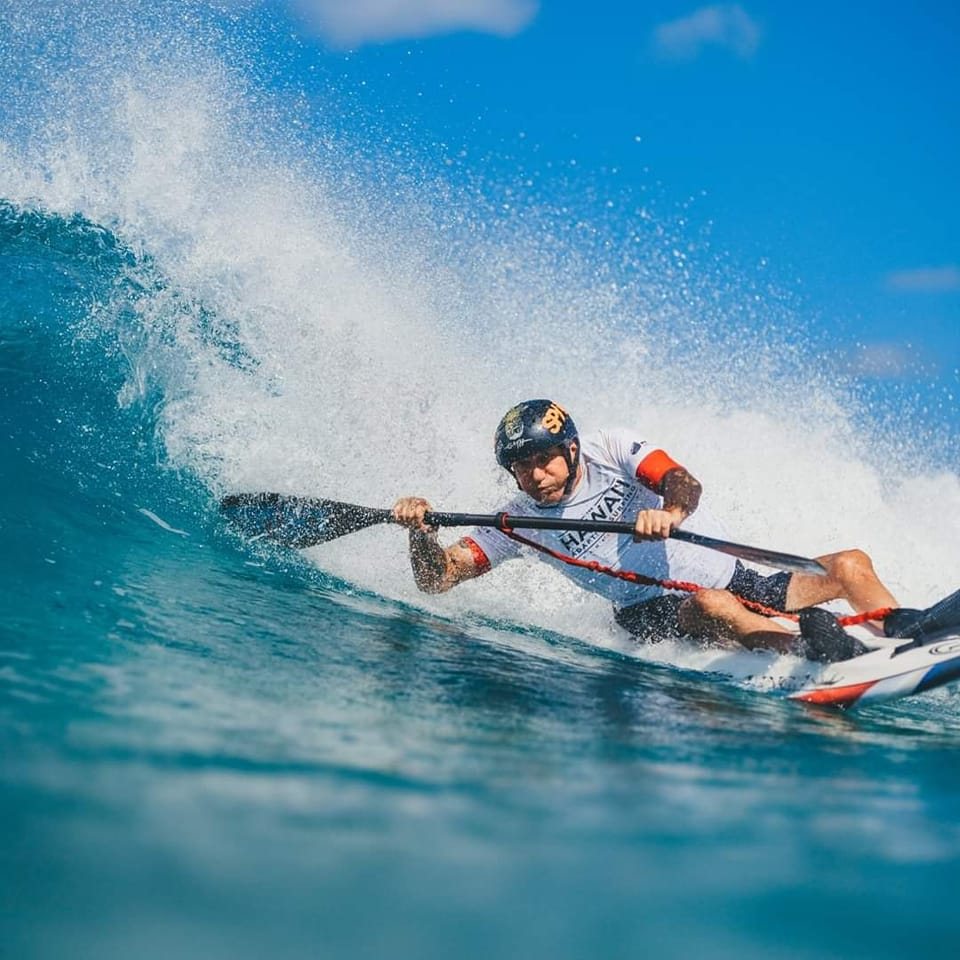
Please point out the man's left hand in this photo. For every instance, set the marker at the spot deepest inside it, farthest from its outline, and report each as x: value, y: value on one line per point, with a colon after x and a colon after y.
x: 656, y: 524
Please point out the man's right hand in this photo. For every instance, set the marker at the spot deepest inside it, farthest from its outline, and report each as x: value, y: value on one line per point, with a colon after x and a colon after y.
x: 435, y: 568
x: 409, y: 512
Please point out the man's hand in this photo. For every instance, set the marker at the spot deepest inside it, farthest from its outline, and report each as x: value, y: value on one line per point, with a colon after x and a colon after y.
x: 656, y: 524
x: 409, y: 512
x: 681, y: 495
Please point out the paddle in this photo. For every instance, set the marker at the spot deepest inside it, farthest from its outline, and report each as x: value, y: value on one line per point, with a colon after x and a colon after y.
x: 305, y: 521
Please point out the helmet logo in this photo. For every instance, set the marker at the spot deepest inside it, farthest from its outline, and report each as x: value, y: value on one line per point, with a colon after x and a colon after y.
x: 513, y: 424
x: 554, y: 419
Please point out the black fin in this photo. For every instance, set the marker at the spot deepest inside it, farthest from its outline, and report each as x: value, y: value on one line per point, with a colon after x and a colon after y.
x: 824, y: 640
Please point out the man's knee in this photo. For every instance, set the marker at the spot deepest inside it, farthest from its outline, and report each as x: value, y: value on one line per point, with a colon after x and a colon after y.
x: 849, y: 566
x: 707, y: 605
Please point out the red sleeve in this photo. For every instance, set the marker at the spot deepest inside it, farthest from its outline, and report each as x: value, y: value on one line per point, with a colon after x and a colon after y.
x: 654, y: 467
x: 479, y: 557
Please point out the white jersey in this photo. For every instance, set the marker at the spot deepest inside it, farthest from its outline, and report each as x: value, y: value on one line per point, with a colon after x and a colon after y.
x: 620, y: 474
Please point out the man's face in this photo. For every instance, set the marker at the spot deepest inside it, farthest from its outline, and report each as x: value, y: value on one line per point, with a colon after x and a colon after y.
x: 543, y: 475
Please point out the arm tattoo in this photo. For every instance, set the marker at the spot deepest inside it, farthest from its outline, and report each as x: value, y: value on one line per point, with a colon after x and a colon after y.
x: 681, y: 490
x: 428, y: 560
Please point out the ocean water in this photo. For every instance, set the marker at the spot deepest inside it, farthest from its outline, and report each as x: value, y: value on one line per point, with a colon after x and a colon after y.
x: 211, y: 748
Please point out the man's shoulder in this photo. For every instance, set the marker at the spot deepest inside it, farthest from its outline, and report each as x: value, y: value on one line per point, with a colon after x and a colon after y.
x: 614, y: 445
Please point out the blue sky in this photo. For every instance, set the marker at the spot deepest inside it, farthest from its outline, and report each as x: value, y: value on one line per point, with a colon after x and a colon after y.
x: 822, y: 139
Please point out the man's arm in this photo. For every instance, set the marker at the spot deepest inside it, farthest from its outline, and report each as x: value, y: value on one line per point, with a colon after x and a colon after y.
x: 681, y: 493
x: 681, y: 496
x: 435, y: 568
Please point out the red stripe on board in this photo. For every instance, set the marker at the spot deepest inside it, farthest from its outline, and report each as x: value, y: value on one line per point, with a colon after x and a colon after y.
x: 836, y: 696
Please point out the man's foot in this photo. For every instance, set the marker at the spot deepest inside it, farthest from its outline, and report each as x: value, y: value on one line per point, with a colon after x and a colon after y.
x: 900, y: 622
x: 824, y: 640
x: 915, y: 624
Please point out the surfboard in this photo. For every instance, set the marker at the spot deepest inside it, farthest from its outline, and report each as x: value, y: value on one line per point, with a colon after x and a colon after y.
x: 898, y: 668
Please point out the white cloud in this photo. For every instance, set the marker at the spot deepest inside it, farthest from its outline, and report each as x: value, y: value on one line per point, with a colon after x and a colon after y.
x: 352, y: 23
x: 925, y: 280
x: 725, y: 25
x: 883, y: 360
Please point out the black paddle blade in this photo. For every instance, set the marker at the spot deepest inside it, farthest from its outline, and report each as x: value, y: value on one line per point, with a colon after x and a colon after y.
x: 296, y: 521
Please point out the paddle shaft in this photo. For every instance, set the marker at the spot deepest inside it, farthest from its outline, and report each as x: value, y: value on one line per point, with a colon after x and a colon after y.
x: 509, y: 522
x: 770, y: 558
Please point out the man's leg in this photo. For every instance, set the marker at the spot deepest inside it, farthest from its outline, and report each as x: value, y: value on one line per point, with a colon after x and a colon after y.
x: 718, y: 616
x: 850, y: 576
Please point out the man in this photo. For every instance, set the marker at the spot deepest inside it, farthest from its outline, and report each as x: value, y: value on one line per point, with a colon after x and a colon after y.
x: 614, y: 476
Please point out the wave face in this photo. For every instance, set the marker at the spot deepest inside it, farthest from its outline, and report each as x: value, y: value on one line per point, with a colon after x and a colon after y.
x: 215, y: 748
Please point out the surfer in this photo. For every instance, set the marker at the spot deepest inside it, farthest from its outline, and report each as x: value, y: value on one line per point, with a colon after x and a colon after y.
x: 615, y: 475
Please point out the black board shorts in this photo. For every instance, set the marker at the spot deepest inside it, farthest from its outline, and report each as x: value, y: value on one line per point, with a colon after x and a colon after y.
x: 656, y: 619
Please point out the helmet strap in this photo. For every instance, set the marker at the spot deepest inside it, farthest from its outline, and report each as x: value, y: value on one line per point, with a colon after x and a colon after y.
x: 572, y: 464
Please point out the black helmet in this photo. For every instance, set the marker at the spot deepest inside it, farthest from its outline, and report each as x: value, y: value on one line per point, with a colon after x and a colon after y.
x: 533, y: 426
